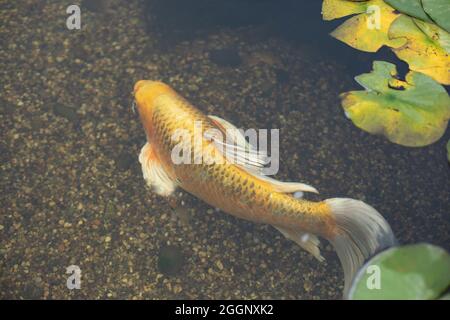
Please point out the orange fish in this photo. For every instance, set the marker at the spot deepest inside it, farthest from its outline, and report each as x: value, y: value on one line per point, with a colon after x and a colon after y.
x: 355, y: 229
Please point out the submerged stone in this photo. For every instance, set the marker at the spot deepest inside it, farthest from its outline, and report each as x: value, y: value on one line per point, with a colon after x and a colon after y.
x: 170, y: 260
x: 124, y: 161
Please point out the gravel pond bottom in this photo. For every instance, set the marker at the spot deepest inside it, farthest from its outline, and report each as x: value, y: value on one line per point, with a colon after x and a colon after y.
x: 71, y: 187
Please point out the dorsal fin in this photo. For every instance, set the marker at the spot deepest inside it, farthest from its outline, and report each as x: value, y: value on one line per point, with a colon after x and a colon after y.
x: 236, y: 148
x: 249, y: 158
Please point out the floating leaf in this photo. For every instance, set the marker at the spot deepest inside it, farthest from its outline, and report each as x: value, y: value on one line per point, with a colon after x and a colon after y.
x: 427, y: 47
x: 367, y: 31
x: 334, y: 9
x: 414, y: 112
x: 410, y: 7
x: 420, y: 271
x: 439, y: 11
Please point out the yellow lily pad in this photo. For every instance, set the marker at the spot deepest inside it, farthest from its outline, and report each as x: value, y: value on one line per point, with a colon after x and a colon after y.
x: 367, y: 31
x: 334, y: 9
x: 426, y: 49
x: 413, y: 113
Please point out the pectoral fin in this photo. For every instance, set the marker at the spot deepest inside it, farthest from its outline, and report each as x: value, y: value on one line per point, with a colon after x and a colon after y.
x: 154, y: 173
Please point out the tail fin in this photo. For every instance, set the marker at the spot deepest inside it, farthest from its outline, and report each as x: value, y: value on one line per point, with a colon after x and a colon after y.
x: 362, y: 232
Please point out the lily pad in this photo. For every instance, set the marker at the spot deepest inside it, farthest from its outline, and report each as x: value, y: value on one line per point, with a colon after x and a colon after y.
x: 368, y: 30
x: 413, y: 113
x: 420, y: 271
x: 439, y: 11
x: 410, y: 7
x: 427, y: 47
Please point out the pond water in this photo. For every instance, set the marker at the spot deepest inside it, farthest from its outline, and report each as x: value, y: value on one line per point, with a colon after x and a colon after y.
x: 71, y: 186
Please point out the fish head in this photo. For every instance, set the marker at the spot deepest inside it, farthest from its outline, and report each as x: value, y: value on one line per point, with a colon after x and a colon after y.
x: 146, y: 91
x: 145, y: 94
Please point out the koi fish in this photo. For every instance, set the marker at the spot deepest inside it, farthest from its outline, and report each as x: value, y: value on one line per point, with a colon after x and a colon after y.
x: 356, y: 230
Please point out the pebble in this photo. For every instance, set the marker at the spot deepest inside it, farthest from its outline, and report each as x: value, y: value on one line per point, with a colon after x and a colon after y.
x: 177, y: 289
x: 219, y: 265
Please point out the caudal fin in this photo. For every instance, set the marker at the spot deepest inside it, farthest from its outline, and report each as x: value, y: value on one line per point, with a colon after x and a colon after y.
x: 362, y: 232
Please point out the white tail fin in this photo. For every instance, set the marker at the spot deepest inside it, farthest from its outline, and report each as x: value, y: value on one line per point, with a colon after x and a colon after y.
x: 362, y: 232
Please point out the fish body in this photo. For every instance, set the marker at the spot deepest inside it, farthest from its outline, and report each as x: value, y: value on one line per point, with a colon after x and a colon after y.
x: 354, y: 228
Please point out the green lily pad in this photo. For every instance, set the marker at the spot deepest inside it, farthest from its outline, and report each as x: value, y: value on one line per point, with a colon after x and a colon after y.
x: 413, y: 272
x: 414, y: 112
x: 410, y: 7
x: 439, y: 11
